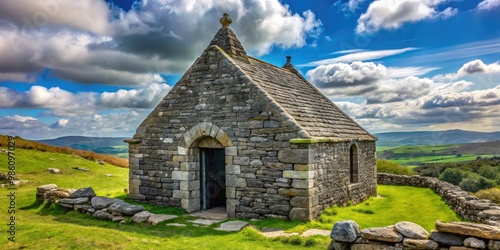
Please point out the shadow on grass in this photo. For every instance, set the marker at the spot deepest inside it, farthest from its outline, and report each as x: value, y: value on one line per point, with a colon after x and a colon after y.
x: 36, y: 204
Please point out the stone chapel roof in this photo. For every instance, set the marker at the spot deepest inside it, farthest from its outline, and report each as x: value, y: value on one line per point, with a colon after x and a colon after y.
x: 314, y: 112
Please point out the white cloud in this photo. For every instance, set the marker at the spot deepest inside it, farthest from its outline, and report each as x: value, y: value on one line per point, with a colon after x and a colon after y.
x: 98, y: 125
x: 392, y: 14
x: 89, y: 15
x: 147, y: 97
x: 462, y: 51
x: 347, y: 51
x: 477, y: 66
x: 488, y: 4
x: 472, y: 67
x: 350, y: 5
x: 359, y: 55
x: 63, y: 103
x: 447, y: 13
x: 399, y: 72
x: 68, y: 56
x: 448, y: 107
x: 346, y: 75
x: 86, y: 42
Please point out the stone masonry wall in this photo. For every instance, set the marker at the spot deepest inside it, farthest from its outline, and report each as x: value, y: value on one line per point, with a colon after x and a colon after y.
x: 331, y: 171
x: 468, y: 206
x: 214, y: 98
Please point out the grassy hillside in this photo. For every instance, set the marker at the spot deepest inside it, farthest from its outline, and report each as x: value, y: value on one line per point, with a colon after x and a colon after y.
x: 418, y: 155
x: 395, y: 139
x: 101, y: 145
x: 40, y: 226
x: 27, y: 144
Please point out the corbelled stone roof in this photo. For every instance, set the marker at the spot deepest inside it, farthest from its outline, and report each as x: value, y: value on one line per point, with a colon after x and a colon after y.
x: 313, y: 111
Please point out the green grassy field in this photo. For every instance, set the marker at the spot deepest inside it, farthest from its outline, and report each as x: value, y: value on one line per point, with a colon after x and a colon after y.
x: 40, y: 226
x: 437, y: 159
x: 418, y: 149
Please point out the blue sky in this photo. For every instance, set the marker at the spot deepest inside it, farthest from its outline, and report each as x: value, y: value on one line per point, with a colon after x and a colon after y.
x: 97, y: 67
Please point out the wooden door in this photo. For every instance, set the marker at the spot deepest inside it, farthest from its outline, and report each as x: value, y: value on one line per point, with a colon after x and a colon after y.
x: 213, y: 178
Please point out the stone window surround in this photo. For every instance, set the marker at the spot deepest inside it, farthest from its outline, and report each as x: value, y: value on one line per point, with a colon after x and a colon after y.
x: 354, y: 168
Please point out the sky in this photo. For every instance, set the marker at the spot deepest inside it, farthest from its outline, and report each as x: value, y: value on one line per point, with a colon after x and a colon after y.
x: 99, y: 67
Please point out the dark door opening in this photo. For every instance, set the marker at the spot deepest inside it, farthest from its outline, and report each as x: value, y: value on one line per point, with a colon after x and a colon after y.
x: 213, y: 178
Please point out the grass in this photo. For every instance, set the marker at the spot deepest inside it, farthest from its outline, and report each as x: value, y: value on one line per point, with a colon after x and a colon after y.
x: 396, y: 203
x: 42, y: 226
x: 385, y: 166
x: 27, y: 144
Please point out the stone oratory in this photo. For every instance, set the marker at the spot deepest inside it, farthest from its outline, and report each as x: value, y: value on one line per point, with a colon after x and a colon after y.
x: 257, y: 139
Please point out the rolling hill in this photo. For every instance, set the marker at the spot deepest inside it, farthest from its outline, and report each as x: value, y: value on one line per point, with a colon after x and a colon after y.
x: 392, y: 139
x: 102, y: 145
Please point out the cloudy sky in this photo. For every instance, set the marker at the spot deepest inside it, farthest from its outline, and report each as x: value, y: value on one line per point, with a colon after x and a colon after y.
x: 98, y: 67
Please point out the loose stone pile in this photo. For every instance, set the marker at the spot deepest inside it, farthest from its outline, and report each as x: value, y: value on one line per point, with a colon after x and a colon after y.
x: 408, y: 235
x: 100, y: 207
x: 468, y: 206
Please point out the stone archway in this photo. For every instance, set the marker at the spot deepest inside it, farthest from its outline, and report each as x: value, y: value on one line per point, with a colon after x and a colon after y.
x: 203, y: 135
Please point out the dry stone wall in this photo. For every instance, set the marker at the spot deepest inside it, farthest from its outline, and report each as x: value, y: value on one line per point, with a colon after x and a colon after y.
x: 408, y: 235
x: 86, y: 201
x: 468, y: 206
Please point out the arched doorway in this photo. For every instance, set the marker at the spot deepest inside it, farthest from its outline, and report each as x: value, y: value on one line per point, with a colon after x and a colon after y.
x: 212, y: 173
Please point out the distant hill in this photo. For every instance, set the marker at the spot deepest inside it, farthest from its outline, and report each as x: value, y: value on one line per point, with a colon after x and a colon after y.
x: 87, y: 143
x: 102, y: 145
x: 393, y: 139
x: 89, y: 155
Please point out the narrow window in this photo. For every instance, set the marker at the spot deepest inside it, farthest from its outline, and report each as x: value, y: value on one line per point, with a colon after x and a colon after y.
x: 353, y: 163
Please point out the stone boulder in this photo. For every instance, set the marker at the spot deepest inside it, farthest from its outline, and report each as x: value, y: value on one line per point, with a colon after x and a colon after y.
x: 345, y: 231
x: 44, y: 188
x: 53, y: 170
x: 125, y: 208
x: 411, y: 230
x: 83, y: 192
x: 491, y: 213
x: 494, y: 245
x: 384, y: 234
x: 420, y: 244
x: 100, y: 202
x: 338, y: 245
x: 85, y: 208
x: 469, y: 229
x: 157, y: 218
x: 74, y: 201
x: 141, y: 216
x: 474, y: 243
x: 102, y: 215
x: 447, y: 238
x: 373, y: 247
